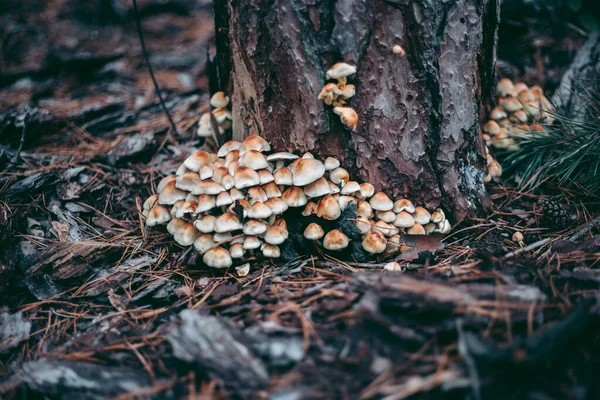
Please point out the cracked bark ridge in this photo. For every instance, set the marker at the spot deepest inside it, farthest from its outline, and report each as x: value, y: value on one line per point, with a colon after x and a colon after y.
x: 418, y: 133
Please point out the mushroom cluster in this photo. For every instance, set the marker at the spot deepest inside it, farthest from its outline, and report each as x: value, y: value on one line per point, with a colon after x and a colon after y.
x: 230, y: 205
x: 336, y: 95
x: 222, y: 115
x: 520, y: 110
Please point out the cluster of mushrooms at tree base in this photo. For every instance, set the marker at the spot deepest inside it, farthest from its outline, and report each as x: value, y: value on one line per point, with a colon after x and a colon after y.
x: 246, y: 202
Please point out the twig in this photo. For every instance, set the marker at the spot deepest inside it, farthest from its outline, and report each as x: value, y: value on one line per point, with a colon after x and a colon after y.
x: 525, y: 249
x: 14, y: 160
x: 585, y: 230
x: 471, y: 367
x: 147, y: 59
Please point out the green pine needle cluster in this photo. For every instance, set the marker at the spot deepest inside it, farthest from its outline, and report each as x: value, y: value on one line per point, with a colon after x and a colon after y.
x: 566, y: 154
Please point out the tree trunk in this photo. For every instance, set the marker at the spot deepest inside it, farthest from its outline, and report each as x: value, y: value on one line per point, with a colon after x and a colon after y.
x: 418, y: 131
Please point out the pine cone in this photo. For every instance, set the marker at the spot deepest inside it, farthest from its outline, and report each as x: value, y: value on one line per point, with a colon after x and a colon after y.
x: 556, y: 216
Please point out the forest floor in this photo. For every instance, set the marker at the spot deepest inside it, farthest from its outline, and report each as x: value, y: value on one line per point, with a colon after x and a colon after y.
x: 94, y: 305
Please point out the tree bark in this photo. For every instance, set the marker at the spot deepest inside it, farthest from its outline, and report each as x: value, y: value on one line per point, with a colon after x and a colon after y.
x: 418, y: 131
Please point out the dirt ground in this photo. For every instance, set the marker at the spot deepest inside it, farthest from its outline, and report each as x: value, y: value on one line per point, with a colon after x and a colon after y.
x: 95, y: 305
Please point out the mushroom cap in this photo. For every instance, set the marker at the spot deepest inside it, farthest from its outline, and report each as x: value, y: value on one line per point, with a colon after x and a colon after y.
x: 276, y: 235
x: 335, y: 240
x: 366, y: 190
x: 404, y: 220
x: 253, y: 159
x: 343, y: 201
x: 294, y: 197
x: 318, y: 188
x: 280, y: 222
x: 398, y: 50
x: 204, y: 126
x: 392, y: 266
x: 253, y: 227
x: 232, y: 166
x: 422, y: 216
x: 159, y: 215
x: 245, y: 177
x: 331, y: 163
x: 438, y: 216
x: 270, y: 250
x: 206, y: 224
x: 265, y: 176
x: 403, y: 205
x: 364, y: 208
x: 383, y: 227
x: 339, y: 176
x: 277, y: 205
x: 206, y: 202
x: 330, y: 89
x: 505, y: 87
x: 333, y: 188
x: 311, y: 208
x: 163, y: 182
x: 217, y: 257
x: 251, y: 242
x: 198, y: 158
x: 386, y: 216
x: 416, y: 229
x: 271, y: 190
x: 182, y: 170
x: 340, y: 70
x: 307, y: 171
x: 282, y: 155
x: 313, y: 231
x: 381, y: 202
x: 218, y: 174
x: 175, y: 224
x: 237, y: 250
x: 208, y: 187
x: 510, y: 104
x: 227, y: 222
x: 227, y: 182
x: 446, y: 227
x: 221, y: 114
x: 170, y: 194
x: 283, y: 176
x: 187, y: 207
x: 363, y: 224
x: 150, y: 202
x: 206, y: 171
x: 497, y: 114
x: 374, y: 242
x: 186, y: 235
x: 350, y: 187
x: 254, y: 142
x: 491, y: 127
x: 518, y: 237
x: 175, y: 208
x: 257, y: 193
x: 204, y: 242
x: 259, y: 211
x: 219, y: 99
x: 222, y: 236
x: 348, y: 91
x: 348, y: 116
x: 236, y: 194
x: 223, y: 199
x: 328, y: 208
x: 228, y: 147
x: 188, y: 181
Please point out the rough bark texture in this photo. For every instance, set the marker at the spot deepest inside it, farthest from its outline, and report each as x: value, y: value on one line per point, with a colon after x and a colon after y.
x: 418, y: 132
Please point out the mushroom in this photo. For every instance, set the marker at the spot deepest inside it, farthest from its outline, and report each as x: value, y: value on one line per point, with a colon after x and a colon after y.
x: 222, y: 237
x: 364, y: 208
x: 294, y: 197
x: 317, y: 188
x: 311, y: 208
x: 404, y: 220
x: 265, y: 176
x: 339, y: 176
x: 175, y: 224
x: 271, y: 190
x: 422, y: 216
x: 403, y: 205
x: 206, y: 171
x: 251, y: 243
x: 335, y: 240
x: 232, y: 145
x: 253, y: 227
x: 206, y: 224
x: 366, y: 191
x: 329, y: 93
x: 197, y: 160
x: 276, y: 235
x: 518, y: 237
x: 416, y: 229
x: 491, y: 127
x: 217, y: 257
x: 206, y: 202
x: 345, y: 200
x: 398, y: 50
x: 227, y: 222
x: 331, y: 163
x: 218, y: 174
x: 348, y: 116
x: 208, y: 187
x: 170, y: 194
x: 313, y: 231
x: 186, y: 207
x: 307, y: 171
x: 204, y: 126
x: 281, y: 156
x: 253, y: 159
x: 237, y: 250
x: 386, y: 216
x: 219, y: 99
x: 363, y: 224
x: 204, y: 242
x: 258, y: 211
x: 186, y: 235
x: 381, y: 202
x: 243, y: 270
x: 392, y: 266
x: 374, y: 242
x: 505, y: 87
x: 164, y: 181
x: 328, y: 208
x: 350, y: 187
x: 283, y: 176
x: 159, y: 215
x: 245, y: 177
x: 254, y: 142
x: 348, y: 91
x: 495, y: 169
x: 223, y: 199
x: 340, y: 71
x: 497, y: 114
x: 438, y: 216
x: 257, y: 193
x: 270, y: 250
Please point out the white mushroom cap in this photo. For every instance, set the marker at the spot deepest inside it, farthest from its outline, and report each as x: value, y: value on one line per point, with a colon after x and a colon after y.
x: 218, y: 174
x: 335, y: 240
x: 363, y: 224
x: 187, y: 207
x: 222, y: 237
x: 348, y: 116
x: 208, y: 187
x: 222, y: 114
x: 403, y: 205
x: 175, y: 225
x: 163, y: 182
x: 505, y: 87
x: 245, y: 177
x: 313, y: 232
x: 204, y: 242
x: 404, y: 220
x: 331, y: 163
x: 272, y: 190
x: 251, y: 243
x: 254, y: 142
x: 307, y: 171
x: 186, y: 235
x: 328, y: 208
x: 253, y: 159
x: 237, y: 250
x: 175, y: 208
x: 228, y: 182
x: 219, y: 99
x: 206, y: 224
x: 257, y: 193
x: 381, y: 202
x: 384, y: 227
x: 182, y: 170
x: 236, y: 194
x: 318, y: 188
x: 422, y: 216
x: 253, y: 227
x: 224, y: 199
x: 374, y: 242
x: 197, y: 160
x: 150, y: 202
x: 227, y: 222
x: 446, y: 227
x: 333, y: 188
x: 283, y: 176
x: 159, y: 215
x: 311, y: 208
x: 188, y: 181
x: 270, y: 250
x: 276, y: 235
x: 339, y: 176
x: 204, y: 126
x: 259, y: 211
x: 348, y: 91
x: 416, y: 229
x: 217, y: 258
x: 206, y: 202
x: 340, y: 70
x: 438, y: 216
x: 366, y: 190
x: 281, y: 156
x: 278, y: 206
x: 343, y: 201
x: 386, y: 216
x: 206, y: 171
x: 350, y: 188
x: 392, y: 266
x: 228, y: 147
x: 364, y: 208
x: 170, y: 194
x: 294, y: 197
